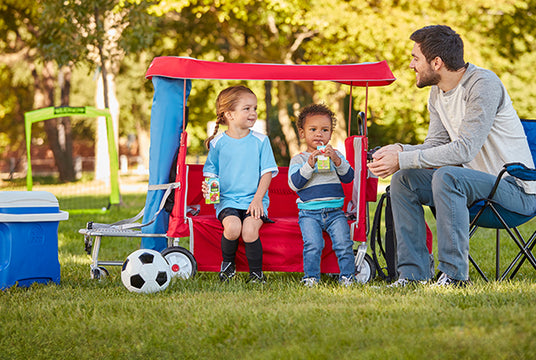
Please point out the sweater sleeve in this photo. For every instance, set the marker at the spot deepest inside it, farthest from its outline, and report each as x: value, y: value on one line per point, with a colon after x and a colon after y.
x: 299, y: 172
x: 483, y: 99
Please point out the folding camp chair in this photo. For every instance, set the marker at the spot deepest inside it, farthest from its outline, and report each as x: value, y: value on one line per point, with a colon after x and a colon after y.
x: 489, y: 214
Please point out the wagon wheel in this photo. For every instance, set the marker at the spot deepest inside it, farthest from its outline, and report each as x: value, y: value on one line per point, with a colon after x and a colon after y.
x: 367, y: 270
x: 99, y: 273
x: 181, y: 262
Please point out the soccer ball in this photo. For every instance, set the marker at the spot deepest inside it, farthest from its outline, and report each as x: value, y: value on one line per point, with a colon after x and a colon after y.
x: 145, y: 271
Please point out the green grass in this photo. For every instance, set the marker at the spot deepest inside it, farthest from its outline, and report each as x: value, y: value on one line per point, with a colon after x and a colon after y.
x: 201, y: 318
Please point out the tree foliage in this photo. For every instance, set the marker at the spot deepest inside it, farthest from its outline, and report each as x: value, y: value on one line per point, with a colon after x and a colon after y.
x: 498, y: 35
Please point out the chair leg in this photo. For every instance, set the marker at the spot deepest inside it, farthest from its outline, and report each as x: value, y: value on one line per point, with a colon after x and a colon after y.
x: 497, y: 254
x: 478, y: 269
x: 521, y: 257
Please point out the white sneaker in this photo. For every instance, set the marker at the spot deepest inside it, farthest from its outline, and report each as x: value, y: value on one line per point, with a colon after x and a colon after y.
x: 309, y: 282
x: 446, y: 281
x: 346, y: 281
x: 405, y: 282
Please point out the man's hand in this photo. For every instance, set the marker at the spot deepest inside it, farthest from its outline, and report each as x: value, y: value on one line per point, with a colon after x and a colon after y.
x: 385, y: 161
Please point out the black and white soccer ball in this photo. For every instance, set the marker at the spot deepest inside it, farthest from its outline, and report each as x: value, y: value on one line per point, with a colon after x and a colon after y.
x: 145, y: 271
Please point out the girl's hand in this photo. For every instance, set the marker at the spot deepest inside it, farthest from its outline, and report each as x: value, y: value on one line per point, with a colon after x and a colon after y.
x: 204, y: 188
x: 255, y: 209
x: 330, y: 152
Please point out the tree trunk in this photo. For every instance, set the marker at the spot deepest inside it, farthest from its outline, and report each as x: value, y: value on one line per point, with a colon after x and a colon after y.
x: 284, y: 119
x: 65, y: 141
x: 58, y: 134
x: 102, y: 157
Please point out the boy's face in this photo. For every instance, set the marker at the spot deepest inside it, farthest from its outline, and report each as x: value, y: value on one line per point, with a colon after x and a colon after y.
x: 316, y: 131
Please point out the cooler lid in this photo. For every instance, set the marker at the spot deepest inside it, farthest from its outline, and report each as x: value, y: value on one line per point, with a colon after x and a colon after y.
x: 28, y: 199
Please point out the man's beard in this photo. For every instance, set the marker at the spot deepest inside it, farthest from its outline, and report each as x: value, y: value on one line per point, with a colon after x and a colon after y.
x: 428, y: 78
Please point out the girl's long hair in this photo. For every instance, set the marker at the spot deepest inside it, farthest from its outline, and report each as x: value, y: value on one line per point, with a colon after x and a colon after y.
x: 226, y: 101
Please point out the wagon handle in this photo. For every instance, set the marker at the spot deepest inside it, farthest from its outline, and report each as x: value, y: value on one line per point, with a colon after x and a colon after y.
x: 361, y: 116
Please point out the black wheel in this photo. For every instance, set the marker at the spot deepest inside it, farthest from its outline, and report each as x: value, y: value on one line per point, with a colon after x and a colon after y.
x: 367, y: 270
x: 99, y: 273
x: 181, y: 262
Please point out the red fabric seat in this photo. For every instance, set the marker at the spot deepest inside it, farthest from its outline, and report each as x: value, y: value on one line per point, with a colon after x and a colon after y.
x: 282, y: 241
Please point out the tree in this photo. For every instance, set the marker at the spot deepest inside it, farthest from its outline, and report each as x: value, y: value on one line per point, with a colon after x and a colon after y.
x: 20, y: 30
x: 101, y: 33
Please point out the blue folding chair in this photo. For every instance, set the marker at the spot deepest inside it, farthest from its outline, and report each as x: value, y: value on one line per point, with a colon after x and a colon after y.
x: 489, y: 214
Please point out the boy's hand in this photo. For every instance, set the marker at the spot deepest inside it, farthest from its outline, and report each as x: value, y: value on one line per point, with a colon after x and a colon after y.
x: 330, y: 152
x: 312, y: 158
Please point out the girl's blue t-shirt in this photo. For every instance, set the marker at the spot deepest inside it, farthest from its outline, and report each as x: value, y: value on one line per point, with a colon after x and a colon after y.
x: 239, y: 165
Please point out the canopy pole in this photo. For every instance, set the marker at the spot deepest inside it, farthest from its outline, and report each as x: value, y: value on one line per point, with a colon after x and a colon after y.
x: 366, y: 110
x: 350, y: 111
x: 184, y: 106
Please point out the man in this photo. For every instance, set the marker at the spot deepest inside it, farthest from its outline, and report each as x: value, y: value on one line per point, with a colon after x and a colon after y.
x: 474, y: 130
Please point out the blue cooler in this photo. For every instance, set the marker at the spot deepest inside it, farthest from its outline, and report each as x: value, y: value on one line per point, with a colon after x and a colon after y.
x: 29, y: 238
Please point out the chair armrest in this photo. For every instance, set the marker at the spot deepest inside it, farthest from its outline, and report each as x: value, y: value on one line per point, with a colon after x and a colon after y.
x: 520, y: 171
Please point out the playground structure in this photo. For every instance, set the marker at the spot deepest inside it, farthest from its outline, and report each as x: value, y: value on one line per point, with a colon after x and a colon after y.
x: 191, y: 217
x: 52, y: 112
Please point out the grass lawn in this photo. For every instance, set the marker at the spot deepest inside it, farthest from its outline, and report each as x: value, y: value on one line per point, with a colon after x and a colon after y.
x: 201, y: 318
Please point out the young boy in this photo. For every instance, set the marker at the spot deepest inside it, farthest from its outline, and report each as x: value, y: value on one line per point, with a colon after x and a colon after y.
x: 321, y: 196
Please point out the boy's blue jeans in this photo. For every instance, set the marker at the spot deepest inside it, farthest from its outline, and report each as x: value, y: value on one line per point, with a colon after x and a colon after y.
x: 333, y: 221
x: 450, y: 189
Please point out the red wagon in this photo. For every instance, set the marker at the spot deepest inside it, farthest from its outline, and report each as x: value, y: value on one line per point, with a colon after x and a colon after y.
x: 191, y: 217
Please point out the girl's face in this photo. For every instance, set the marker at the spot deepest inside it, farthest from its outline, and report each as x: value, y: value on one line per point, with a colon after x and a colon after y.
x: 316, y: 131
x: 244, y: 115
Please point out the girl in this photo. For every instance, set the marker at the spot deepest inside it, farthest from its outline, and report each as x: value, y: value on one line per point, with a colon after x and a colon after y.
x: 243, y: 161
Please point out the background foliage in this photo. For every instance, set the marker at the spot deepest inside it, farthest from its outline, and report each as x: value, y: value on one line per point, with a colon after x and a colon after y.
x: 498, y: 35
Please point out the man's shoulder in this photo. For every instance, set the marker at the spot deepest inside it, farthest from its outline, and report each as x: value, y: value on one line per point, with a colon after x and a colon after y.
x: 475, y: 73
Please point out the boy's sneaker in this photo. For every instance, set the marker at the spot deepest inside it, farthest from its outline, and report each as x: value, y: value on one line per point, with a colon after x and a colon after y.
x: 400, y: 283
x: 256, y: 278
x: 346, y: 281
x: 227, y: 271
x: 446, y: 281
x: 309, y: 282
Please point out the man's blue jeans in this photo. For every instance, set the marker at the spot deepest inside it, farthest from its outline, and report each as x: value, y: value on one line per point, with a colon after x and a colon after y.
x: 450, y: 189
x: 333, y: 221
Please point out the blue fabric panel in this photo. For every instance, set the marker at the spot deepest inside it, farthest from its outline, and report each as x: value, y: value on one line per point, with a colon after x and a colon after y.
x: 521, y: 171
x: 530, y: 131
x: 166, y: 129
x: 489, y: 220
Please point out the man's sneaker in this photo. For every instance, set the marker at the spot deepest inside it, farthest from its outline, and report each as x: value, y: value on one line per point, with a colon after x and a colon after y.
x: 405, y: 282
x: 446, y: 281
x: 346, y: 281
x: 256, y: 278
x: 227, y: 271
x: 309, y: 282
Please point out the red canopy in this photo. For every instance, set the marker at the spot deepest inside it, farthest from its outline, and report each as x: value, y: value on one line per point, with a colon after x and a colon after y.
x: 364, y: 74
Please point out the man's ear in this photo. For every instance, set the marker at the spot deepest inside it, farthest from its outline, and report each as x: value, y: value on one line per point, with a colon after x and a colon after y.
x: 437, y: 63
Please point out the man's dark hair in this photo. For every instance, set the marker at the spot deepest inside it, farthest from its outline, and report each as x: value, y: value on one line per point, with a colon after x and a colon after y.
x: 442, y: 41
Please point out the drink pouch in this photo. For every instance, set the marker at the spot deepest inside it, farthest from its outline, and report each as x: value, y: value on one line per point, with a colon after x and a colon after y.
x: 322, y: 161
x: 213, y: 196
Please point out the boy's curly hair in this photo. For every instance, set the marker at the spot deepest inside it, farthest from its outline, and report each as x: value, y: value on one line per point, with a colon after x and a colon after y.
x: 315, y: 109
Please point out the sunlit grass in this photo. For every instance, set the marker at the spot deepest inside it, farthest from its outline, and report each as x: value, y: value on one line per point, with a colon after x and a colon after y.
x: 201, y: 318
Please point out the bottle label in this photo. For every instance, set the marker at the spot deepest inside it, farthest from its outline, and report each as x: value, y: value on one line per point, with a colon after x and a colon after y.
x: 322, y: 161
x: 213, y: 196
